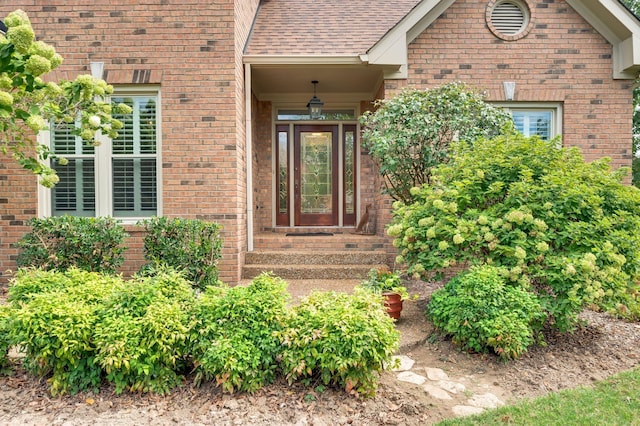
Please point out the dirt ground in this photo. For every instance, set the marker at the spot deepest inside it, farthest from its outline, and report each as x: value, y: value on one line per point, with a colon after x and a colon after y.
x: 601, y: 348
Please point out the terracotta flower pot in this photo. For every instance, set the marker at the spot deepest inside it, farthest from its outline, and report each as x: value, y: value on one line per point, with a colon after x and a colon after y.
x: 393, y: 304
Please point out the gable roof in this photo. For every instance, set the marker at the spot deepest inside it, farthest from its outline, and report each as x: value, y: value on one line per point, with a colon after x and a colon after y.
x: 327, y: 27
x: 377, y: 32
x: 609, y: 17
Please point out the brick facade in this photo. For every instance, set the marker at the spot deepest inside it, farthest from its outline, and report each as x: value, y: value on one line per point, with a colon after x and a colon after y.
x: 190, y: 49
x: 562, y: 59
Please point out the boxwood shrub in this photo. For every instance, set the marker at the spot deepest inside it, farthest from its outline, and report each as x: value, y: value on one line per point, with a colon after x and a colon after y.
x: 341, y: 339
x: 141, y: 337
x: 190, y: 245
x: 482, y: 312
x: 88, y: 243
x: 234, y: 339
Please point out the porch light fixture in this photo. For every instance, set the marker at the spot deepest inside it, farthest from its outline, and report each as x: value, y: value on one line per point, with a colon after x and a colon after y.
x: 509, y: 89
x: 315, y: 104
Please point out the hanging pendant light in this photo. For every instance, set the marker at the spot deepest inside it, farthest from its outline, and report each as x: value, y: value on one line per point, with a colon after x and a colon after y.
x: 315, y: 104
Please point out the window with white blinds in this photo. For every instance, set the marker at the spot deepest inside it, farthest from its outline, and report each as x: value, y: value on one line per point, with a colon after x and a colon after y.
x: 134, y: 159
x: 75, y: 193
x: 534, y: 123
x: 543, y: 119
x: 119, y: 177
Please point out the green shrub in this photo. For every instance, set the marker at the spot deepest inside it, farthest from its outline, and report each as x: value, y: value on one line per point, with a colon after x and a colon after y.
x: 92, y: 244
x: 55, y: 326
x: 566, y: 230
x: 141, y: 337
x: 233, y: 339
x: 5, y: 337
x: 339, y: 339
x: 481, y: 311
x: 190, y: 245
x: 408, y: 135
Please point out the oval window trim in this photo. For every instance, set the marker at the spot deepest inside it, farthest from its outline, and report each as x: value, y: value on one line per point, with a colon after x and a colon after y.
x: 509, y: 20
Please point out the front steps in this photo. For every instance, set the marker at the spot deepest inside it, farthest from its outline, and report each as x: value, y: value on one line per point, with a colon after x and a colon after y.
x: 315, y: 255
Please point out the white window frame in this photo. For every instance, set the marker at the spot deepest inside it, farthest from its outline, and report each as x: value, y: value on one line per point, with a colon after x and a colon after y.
x: 103, y: 164
x: 554, y: 108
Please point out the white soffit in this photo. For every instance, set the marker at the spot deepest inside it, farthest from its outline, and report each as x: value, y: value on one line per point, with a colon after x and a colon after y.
x: 391, y: 49
x: 616, y: 24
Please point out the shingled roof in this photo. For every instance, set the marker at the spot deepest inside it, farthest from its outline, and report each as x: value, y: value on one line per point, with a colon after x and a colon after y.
x: 318, y: 27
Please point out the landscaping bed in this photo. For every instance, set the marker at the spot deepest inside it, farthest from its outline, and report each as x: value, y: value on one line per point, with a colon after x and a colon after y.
x: 602, y: 348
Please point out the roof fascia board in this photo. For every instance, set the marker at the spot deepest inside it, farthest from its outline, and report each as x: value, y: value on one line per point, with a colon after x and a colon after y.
x: 391, y: 49
x: 302, y: 60
x: 302, y: 98
x: 619, y: 27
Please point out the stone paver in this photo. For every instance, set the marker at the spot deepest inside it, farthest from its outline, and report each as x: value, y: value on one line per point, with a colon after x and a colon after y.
x: 408, y: 376
x: 436, y: 374
x: 441, y: 387
x: 436, y: 392
x: 406, y: 363
x: 487, y: 400
x: 466, y: 410
x: 453, y: 387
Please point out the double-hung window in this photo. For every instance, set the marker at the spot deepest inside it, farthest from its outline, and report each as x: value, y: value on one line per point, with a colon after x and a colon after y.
x: 543, y: 120
x: 118, y: 177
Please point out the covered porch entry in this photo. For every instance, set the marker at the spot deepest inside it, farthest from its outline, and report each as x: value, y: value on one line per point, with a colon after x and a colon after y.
x: 310, y: 179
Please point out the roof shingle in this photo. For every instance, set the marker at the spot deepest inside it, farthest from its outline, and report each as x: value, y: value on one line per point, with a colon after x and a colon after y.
x: 323, y: 27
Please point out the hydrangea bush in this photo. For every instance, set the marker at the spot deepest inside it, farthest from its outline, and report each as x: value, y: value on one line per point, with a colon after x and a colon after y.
x: 564, y: 229
x: 27, y: 102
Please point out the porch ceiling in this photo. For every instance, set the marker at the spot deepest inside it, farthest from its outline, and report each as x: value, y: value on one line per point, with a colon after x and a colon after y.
x: 337, y: 83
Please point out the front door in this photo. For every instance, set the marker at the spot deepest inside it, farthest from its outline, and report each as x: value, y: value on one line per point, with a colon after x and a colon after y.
x: 316, y: 175
x: 315, y: 180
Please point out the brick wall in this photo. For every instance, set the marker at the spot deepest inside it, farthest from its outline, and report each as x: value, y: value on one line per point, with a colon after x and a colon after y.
x: 191, y: 49
x: 236, y: 242
x: 262, y: 171
x: 562, y: 59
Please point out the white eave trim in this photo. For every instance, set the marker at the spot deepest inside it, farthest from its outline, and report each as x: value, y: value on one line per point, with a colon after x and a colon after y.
x: 612, y: 20
x: 391, y: 49
x: 619, y: 27
x: 302, y: 59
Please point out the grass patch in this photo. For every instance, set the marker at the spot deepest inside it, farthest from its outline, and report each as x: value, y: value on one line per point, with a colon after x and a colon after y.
x: 614, y: 401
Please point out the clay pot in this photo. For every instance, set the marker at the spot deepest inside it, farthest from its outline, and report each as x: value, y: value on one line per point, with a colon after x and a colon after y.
x: 393, y: 304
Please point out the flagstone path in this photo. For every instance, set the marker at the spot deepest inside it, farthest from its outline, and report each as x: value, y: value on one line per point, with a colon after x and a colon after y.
x: 437, y: 384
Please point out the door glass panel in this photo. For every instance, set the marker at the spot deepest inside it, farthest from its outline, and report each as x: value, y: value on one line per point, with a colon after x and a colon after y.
x: 349, y: 170
x: 315, y: 172
x: 283, y: 173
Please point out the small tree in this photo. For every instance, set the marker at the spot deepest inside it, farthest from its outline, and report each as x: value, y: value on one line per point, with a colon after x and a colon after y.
x: 28, y: 104
x: 410, y: 134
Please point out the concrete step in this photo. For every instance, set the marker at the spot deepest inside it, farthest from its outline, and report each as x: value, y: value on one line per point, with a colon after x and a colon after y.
x: 315, y: 258
x: 301, y: 288
x: 310, y: 272
x: 307, y: 241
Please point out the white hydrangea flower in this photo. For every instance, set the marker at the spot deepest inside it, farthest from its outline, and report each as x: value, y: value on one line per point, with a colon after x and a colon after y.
x: 94, y: 121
